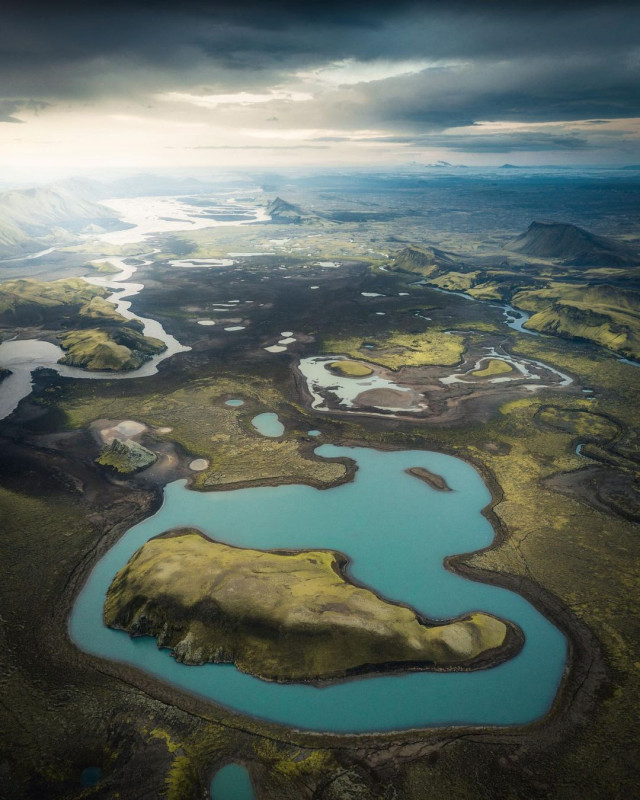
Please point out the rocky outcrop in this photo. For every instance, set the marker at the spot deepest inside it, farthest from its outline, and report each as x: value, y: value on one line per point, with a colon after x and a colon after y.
x: 126, y: 456
x: 286, y: 616
x: 432, y: 479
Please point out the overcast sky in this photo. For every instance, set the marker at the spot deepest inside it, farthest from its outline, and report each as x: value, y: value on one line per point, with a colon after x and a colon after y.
x: 189, y: 84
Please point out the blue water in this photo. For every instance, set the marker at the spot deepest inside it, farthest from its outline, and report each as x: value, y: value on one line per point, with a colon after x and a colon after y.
x: 90, y: 776
x: 314, y: 433
x: 234, y: 403
x: 397, y: 531
x: 268, y: 424
x: 232, y: 783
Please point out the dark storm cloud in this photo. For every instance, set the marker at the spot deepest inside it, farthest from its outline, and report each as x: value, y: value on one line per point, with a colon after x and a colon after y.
x: 525, y: 61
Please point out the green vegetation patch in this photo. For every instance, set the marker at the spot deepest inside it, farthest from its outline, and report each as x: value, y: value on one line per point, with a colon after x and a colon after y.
x: 282, y: 616
x: 396, y: 350
x: 494, y: 367
x: 581, y: 423
x: 351, y: 369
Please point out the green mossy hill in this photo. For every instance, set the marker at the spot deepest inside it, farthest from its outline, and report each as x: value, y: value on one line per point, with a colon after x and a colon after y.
x: 422, y: 260
x: 126, y: 456
x: 284, y: 616
x: 604, y: 314
x: 27, y: 301
x: 111, y: 349
x: 100, y: 310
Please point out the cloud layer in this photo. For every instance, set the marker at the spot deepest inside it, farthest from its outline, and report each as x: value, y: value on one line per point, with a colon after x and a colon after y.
x: 387, y: 77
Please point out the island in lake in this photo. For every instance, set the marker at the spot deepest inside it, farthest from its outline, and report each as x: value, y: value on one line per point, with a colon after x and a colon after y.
x: 285, y: 616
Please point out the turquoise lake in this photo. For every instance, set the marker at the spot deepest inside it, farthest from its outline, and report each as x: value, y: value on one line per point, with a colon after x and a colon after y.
x: 232, y: 783
x: 396, y: 530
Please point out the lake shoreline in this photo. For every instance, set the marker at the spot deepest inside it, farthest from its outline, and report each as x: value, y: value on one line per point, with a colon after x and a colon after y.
x: 582, y: 682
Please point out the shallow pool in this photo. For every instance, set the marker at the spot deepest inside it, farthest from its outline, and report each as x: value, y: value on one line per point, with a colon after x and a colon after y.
x: 268, y: 424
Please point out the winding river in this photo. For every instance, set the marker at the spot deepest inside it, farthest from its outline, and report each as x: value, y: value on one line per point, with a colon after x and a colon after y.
x: 397, y: 531
x: 24, y: 356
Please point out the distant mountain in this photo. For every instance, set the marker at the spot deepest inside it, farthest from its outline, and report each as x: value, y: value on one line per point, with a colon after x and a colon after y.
x: 32, y: 218
x: 572, y: 245
x: 286, y: 213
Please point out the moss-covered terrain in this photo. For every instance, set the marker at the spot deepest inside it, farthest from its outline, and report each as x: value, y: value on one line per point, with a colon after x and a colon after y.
x: 602, y: 309
x: 398, y: 349
x: 119, y: 348
x: 285, y: 616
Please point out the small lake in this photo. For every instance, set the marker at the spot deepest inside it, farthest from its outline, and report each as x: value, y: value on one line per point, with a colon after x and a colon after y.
x: 396, y: 530
x: 268, y: 424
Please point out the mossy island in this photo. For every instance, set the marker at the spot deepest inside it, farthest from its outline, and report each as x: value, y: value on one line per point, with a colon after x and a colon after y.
x: 119, y: 348
x: 350, y: 369
x: 286, y: 616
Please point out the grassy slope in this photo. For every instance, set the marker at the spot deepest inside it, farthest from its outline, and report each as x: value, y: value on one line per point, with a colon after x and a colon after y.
x: 28, y: 293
